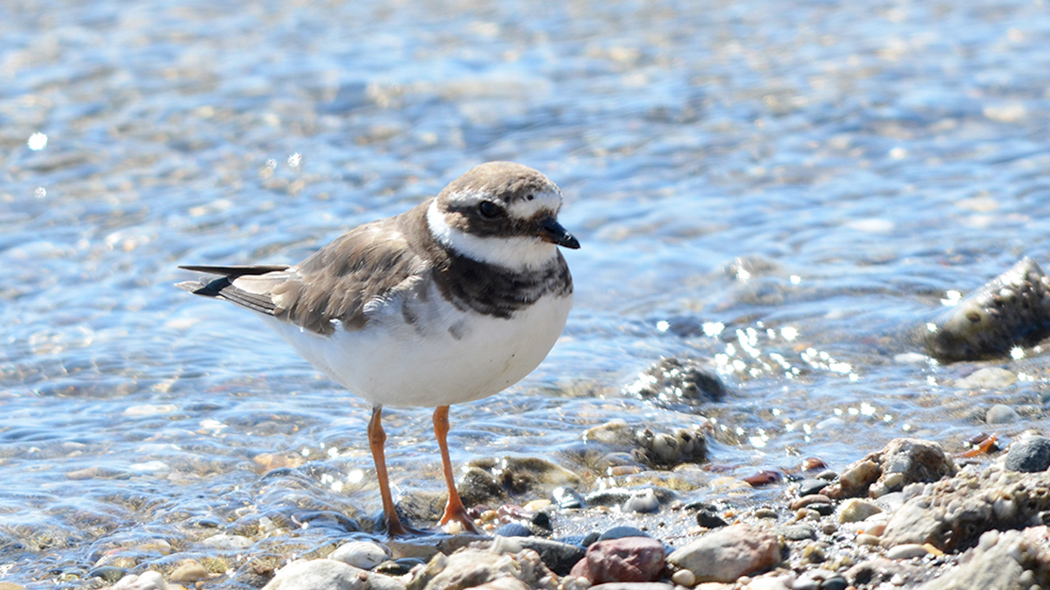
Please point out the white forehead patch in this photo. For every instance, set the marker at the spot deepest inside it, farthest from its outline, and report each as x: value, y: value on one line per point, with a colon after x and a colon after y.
x: 525, y: 253
x: 547, y: 200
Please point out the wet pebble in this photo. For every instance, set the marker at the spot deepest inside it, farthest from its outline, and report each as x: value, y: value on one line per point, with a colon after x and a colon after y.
x: 150, y: 580
x: 108, y: 573
x: 397, y: 567
x: 361, y: 554
x: 644, y: 502
x: 798, y: 532
x: 513, y: 529
x: 188, y: 571
x: 709, y: 519
x: 312, y: 574
x: 987, y: 378
x: 1029, y: 454
x: 907, y: 551
x: 684, y: 578
x: 558, y: 556
x: 807, y: 500
x: 627, y: 559
x: 567, y: 498
x: 1001, y: 414
x: 728, y: 553
x: 855, y: 510
x: 618, y: 532
x: 224, y: 541
x: 808, y: 487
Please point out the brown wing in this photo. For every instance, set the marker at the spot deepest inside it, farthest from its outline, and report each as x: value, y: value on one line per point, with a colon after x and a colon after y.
x: 335, y: 283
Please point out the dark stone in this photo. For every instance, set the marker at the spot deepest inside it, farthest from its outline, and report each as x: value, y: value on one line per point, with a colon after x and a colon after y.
x: 1013, y: 309
x: 514, y: 529
x: 822, y: 508
x: 478, y: 486
x: 834, y: 583
x: 673, y: 380
x: 619, y: 532
x: 709, y: 519
x: 109, y: 573
x: 808, y: 487
x: 397, y: 567
x: 1029, y: 455
x: 542, y: 520
x: 559, y: 557
x: 590, y: 538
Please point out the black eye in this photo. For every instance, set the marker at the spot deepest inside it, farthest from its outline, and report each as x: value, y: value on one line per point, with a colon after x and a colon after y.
x: 489, y: 210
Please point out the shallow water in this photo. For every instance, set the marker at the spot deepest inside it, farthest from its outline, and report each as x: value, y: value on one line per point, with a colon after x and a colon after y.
x: 812, y: 176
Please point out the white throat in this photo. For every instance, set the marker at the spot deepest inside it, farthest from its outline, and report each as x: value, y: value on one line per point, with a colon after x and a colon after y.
x: 513, y: 253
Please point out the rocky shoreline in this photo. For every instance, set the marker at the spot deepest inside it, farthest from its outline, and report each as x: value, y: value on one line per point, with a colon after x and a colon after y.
x: 907, y: 516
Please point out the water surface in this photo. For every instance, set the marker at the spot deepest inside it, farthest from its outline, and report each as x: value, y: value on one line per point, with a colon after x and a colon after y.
x: 812, y: 176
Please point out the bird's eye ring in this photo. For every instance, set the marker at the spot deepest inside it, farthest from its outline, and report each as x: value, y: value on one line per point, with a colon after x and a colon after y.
x: 489, y: 210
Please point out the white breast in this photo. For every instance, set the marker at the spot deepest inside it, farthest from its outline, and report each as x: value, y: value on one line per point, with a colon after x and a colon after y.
x: 449, y: 356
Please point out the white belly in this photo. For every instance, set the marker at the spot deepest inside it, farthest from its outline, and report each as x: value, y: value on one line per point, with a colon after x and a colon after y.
x: 451, y: 357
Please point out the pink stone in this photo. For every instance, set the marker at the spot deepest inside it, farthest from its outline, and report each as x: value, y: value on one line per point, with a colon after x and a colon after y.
x: 628, y: 559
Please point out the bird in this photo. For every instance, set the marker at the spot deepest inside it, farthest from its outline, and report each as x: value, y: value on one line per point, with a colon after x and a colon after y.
x: 449, y: 302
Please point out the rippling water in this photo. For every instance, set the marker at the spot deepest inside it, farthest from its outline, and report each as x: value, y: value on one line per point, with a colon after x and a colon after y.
x: 812, y: 176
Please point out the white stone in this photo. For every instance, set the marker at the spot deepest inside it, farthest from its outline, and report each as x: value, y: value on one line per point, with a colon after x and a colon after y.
x: 361, y: 554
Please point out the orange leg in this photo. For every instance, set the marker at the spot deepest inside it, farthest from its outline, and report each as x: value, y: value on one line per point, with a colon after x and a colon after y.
x: 376, y: 439
x: 454, y: 510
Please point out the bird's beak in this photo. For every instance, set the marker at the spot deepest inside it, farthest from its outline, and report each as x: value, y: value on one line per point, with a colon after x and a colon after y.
x: 553, y: 232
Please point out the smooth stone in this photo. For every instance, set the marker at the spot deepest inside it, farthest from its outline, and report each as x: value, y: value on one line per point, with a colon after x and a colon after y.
x: 189, y: 571
x: 728, y: 553
x: 618, y: 532
x: 632, y: 586
x: 856, y: 510
x: 559, y: 557
x: 513, y: 529
x: 1030, y: 454
x: 567, y: 498
x: 1001, y: 414
x: 987, y: 378
x: 627, y: 559
x: 708, y: 519
x: 109, y: 573
x: 329, y: 574
x: 907, y: 551
x: 224, y: 541
x: 150, y: 580
x: 542, y: 520
x: 684, y: 578
x: 808, y: 487
x: 798, y: 532
x: 643, y: 503
x: 361, y: 554
x: 834, y: 583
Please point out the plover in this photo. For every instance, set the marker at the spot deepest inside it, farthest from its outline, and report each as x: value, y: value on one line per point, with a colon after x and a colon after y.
x: 449, y: 302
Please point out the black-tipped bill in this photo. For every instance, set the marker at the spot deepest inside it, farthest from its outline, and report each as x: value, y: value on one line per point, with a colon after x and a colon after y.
x: 553, y: 232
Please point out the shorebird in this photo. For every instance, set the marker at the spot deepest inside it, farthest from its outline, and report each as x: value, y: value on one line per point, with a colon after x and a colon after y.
x: 449, y: 302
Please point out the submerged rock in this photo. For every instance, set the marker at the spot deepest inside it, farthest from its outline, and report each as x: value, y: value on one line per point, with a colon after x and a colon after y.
x: 622, y: 443
x: 675, y: 381
x: 1011, y: 310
